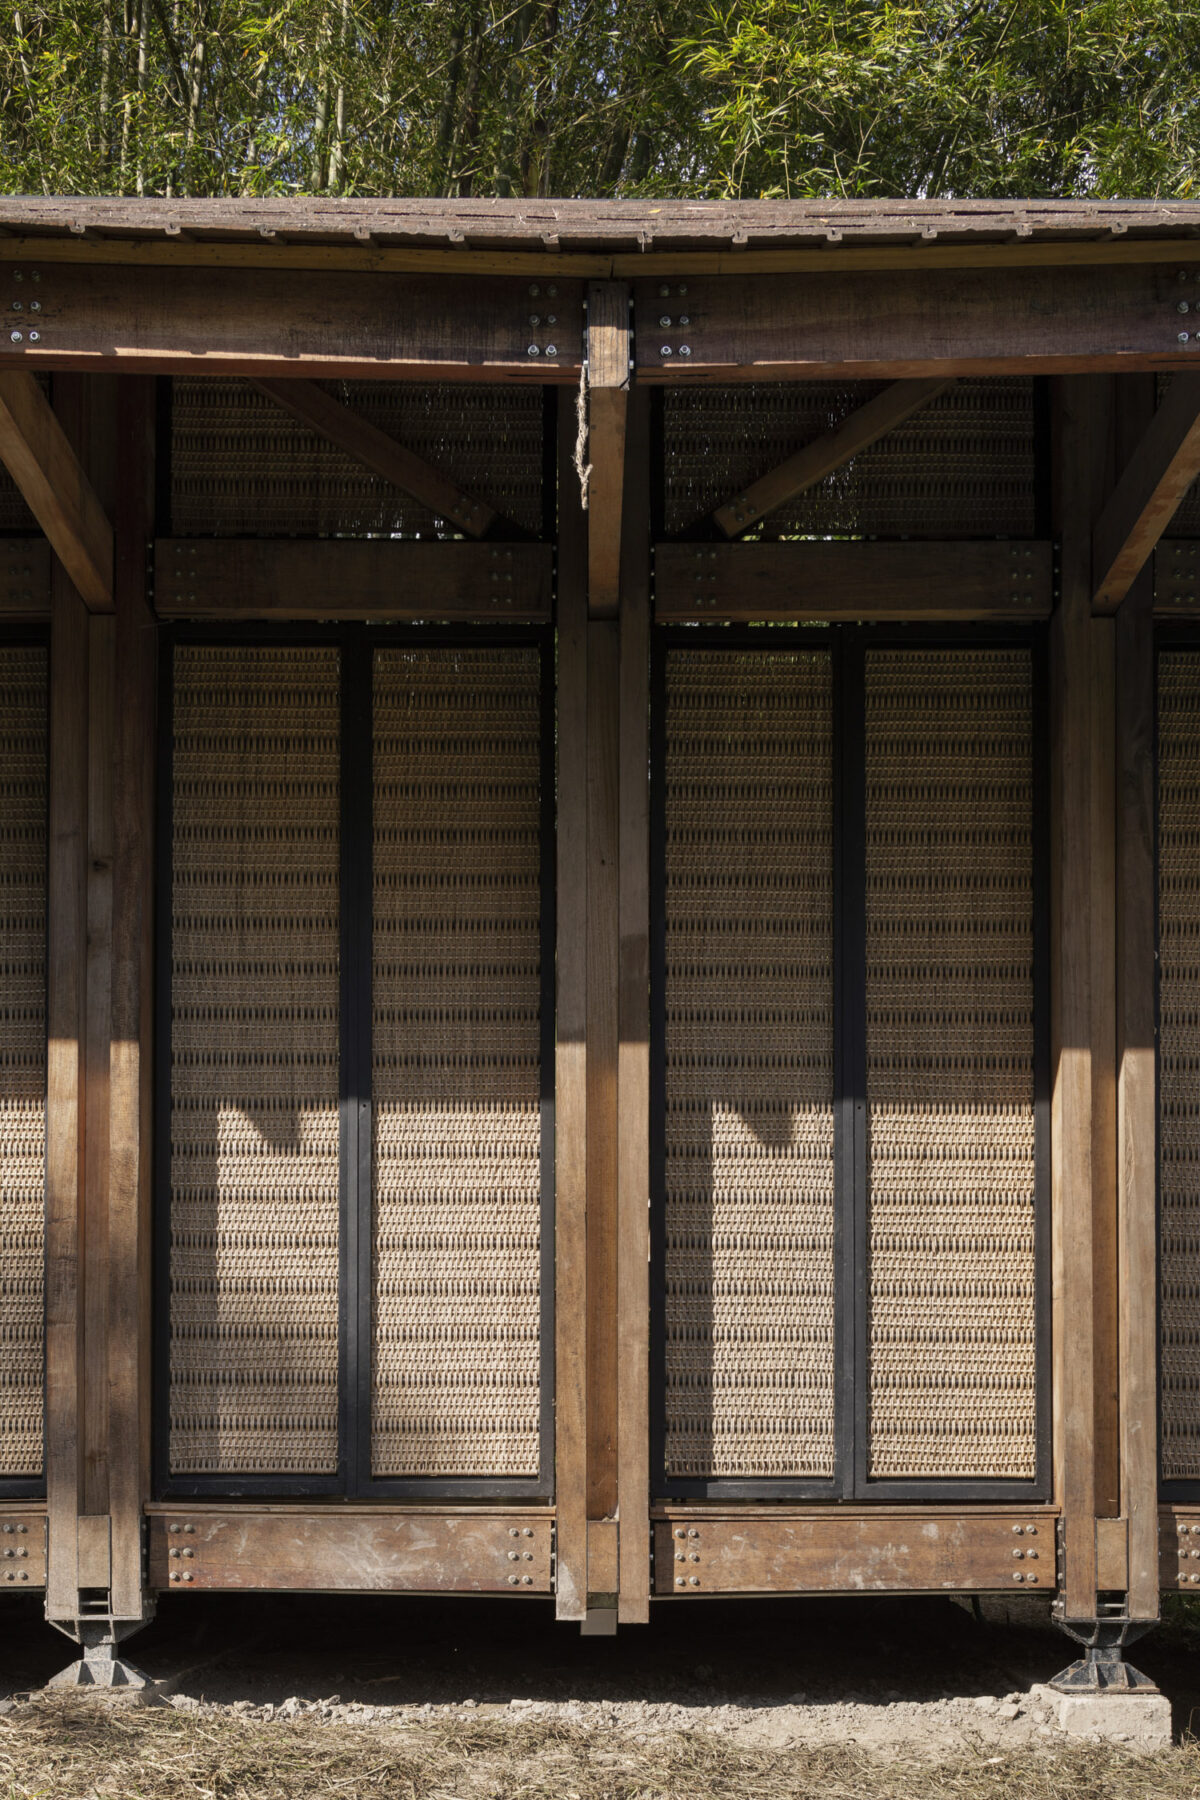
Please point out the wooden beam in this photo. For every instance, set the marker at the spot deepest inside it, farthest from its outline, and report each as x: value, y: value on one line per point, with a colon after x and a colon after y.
x: 828, y: 452
x: 24, y: 578
x: 571, y: 1052
x: 854, y: 580
x: 633, y: 1021
x: 329, y: 418
x: 607, y: 405
x: 352, y: 578
x: 952, y: 322
x: 38, y: 456
x: 1158, y: 473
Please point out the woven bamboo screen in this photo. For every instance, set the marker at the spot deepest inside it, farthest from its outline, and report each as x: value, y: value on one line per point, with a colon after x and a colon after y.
x: 242, y: 466
x: 749, y: 1196
x: 950, y: 1046
x: 963, y: 466
x: 22, y: 1052
x: 1179, y: 1060
x: 456, y: 1063
x: 254, y: 1061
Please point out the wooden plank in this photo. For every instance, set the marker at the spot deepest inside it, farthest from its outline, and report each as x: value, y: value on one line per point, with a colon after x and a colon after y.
x: 102, y: 711
x: 351, y: 578
x: 827, y: 1553
x: 603, y: 1561
x: 335, y: 1552
x: 1112, y: 1555
x: 24, y: 578
x: 1103, y: 1050
x: 603, y: 901
x: 131, y: 1056
x: 920, y: 323
x: 607, y: 404
x: 48, y: 471
x: 570, y: 1104
x: 866, y: 425
x: 1137, y: 1273
x: 1157, y: 472
x: 260, y: 322
x: 23, y: 1550
x: 633, y: 1021
x: 853, y: 580
x: 376, y: 450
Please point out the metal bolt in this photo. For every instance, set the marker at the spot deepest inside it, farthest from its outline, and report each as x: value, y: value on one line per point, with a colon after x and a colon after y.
x: 1032, y: 1555
x: 552, y: 290
x: 665, y: 321
x: 1017, y: 1575
x: 173, y: 1529
x: 16, y: 306
x: 35, y: 306
x: 534, y: 291
x: 528, y: 1528
x: 1030, y: 1530
x: 693, y: 1581
x: 1018, y: 1531
x: 685, y: 349
x: 514, y: 1556
x: 24, y: 1575
x: 683, y: 287
x: 1183, y: 337
x: 1018, y: 1554
x: 679, y: 1531
x: 665, y: 351
x: 187, y: 1575
x: 513, y: 1532
x: 681, y: 1556
x: 35, y: 337
x: 532, y: 350
x: 1031, y: 1577
x: 681, y: 1581
x: 174, y: 1574
x: 694, y: 1557
x: 190, y: 1529
x: 535, y: 318
x: 15, y: 336
x: 1182, y: 306
x: 23, y: 1528
x: 552, y: 318
x: 529, y: 1556
x: 663, y: 292
x: 174, y: 1552
x: 513, y: 1580
x: 692, y: 1532
x: 683, y: 319
x: 35, y: 275
x: 8, y: 1528
x: 551, y: 349
x: 527, y: 1580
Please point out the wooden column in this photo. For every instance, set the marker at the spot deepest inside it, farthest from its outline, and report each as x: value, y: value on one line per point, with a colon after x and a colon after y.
x: 633, y: 1050
x: 1137, y: 1272
x: 571, y: 1108
x: 1083, y: 1001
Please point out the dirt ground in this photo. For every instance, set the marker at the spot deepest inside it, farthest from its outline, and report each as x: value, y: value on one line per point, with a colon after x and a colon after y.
x: 277, y: 1698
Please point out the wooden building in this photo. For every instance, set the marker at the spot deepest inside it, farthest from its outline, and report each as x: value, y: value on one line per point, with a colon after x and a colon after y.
x: 600, y: 904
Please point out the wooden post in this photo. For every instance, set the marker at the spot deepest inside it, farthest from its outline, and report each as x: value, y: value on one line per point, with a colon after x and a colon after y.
x: 608, y: 402
x: 1136, y: 1107
x: 571, y: 1109
x: 633, y: 1048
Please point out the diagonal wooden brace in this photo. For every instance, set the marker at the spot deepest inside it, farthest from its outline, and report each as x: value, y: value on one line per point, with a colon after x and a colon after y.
x: 35, y: 450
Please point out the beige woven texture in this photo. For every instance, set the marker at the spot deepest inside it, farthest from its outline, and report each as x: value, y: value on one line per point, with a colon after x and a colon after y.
x: 457, y: 1077
x: 749, y: 1055
x: 22, y: 1052
x: 1179, y: 1059
x: 254, y: 1062
x: 243, y: 466
x: 950, y: 1041
x: 963, y: 466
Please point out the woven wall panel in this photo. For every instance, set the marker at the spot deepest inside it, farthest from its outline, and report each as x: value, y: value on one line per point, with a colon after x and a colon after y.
x: 1179, y: 1060
x: 950, y: 1044
x: 963, y: 466
x: 254, y: 1061
x: 243, y: 467
x: 457, y: 1075
x: 749, y: 1065
x: 22, y: 1052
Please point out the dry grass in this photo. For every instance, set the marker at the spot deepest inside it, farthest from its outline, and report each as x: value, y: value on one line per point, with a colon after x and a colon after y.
x: 67, y: 1749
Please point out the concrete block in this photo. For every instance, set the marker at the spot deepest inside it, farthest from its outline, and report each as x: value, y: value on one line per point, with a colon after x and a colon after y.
x: 1140, y: 1722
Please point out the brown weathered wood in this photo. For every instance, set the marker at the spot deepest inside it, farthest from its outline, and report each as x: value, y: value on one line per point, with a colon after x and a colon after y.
x: 102, y: 711
x: 1008, y: 321
x: 376, y: 450
x: 570, y: 1104
x: 1158, y: 471
x: 23, y: 1562
x: 866, y: 425
x: 351, y: 578
x: 41, y: 460
x: 853, y: 580
x: 24, y: 578
x: 931, y: 1551
x: 633, y: 1051
x: 131, y: 1060
x: 423, y: 1552
x: 1103, y: 1047
x: 1178, y: 1549
x: 258, y: 322
x: 603, y: 900
x: 607, y: 404
x: 1136, y: 1103
x: 603, y: 1561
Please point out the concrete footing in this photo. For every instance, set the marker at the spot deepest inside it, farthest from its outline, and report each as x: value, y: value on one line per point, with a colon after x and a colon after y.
x: 1140, y: 1722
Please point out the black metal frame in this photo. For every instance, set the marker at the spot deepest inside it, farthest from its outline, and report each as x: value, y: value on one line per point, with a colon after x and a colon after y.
x: 353, y: 1481
x: 33, y: 1487
x: 848, y: 646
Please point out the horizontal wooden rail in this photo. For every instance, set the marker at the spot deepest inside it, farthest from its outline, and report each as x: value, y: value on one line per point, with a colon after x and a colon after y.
x: 817, y: 579
x: 351, y: 578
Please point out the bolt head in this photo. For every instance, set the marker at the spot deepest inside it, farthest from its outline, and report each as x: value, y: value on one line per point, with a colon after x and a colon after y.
x: 535, y: 318
x: 1183, y: 336
x: 1182, y: 306
x: 15, y: 336
x: 534, y: 291
x: 532, y: 350
x: 664, y: 293
x: 665, y: 320
x: 552, y: 290
x: 551, y: 349
x: 665, y: 351
x: 35, y: 337
x: 685, y: 349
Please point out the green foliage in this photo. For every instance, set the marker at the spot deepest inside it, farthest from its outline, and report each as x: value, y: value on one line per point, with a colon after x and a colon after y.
x: 627, y: 97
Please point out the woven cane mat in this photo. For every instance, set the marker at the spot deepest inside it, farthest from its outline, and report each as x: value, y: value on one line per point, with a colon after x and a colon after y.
x: 22, y: 1052
x: 1179, y: 1060
x: 254, y: 1062
x: 242, y: 466
x: 749, y: 1064
x: 950, y: 1042
x: 963, y: 466
x: 457, y: 1077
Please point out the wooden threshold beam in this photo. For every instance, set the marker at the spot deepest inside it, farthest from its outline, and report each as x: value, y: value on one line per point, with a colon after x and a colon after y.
x: 818, y: 459
x: 817, y: 579
x: 1157, y: 475
x: 35, y: 450
x: 351, y: 578
x: 377, y: 451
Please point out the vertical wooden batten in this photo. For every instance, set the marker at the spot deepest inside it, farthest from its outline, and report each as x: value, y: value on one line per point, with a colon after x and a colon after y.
x: 571, y: 1100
